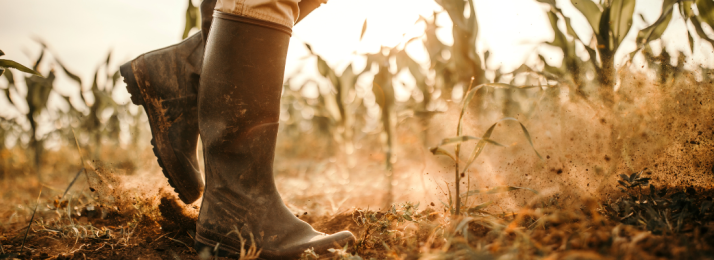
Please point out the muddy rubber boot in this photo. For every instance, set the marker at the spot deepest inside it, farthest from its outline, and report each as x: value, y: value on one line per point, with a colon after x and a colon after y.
x: 165, y: 82
x: 239, y: 108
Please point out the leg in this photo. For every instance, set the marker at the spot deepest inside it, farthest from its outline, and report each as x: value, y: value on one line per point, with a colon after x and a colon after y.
x: 166, y: 82
x: 238, y: 112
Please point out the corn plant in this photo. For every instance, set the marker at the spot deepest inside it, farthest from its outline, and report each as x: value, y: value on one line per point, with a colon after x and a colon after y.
x: 610, y: 21
x: 478, y: 149
x: 38, y: 93
x: 573, y: 69
x: 103, y: 101
x: 661, y: 64
x: 341, y: 102
x: 465, y: 31
x: 655, y: 31
x: 8, y: 125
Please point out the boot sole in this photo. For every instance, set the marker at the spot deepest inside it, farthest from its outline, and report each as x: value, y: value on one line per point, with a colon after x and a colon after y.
x: 137, y: 98
x: 235, y: 252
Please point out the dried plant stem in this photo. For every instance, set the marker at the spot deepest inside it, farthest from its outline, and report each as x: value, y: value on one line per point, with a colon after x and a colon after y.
x: 32, y: 218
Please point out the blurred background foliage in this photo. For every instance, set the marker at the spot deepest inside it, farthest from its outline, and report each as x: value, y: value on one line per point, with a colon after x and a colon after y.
x: 342, y: 109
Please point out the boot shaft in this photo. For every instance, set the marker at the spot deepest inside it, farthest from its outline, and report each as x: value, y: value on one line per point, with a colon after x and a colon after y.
x: 244, y: 66
x: 238, y: 112
x: 239, y: 108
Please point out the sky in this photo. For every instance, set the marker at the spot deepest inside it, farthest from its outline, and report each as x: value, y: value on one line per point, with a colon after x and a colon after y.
x: 82, y: 32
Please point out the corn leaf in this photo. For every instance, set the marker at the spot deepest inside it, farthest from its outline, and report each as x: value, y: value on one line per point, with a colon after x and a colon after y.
x: 559, y: 38
x: 193, y: 19
x: 657, y: 28
x: 2, y: 53
x: 570, y: 30
x: 479, y: 147
x: 364, y: 29
x: 698, y: 27
x: 530, y: 141
x: 309, y: 47
x: 14, y: 65
x: 465, y: 138
x: 550, y: 2
x: 486, y: 137
x: 591, y: 12
x: 706, y: 11
x: 440, y: 151
x: 71, y: 75
x: 621, y: 12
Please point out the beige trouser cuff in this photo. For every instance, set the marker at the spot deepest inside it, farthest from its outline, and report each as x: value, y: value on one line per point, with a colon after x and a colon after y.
x: 283, y: 12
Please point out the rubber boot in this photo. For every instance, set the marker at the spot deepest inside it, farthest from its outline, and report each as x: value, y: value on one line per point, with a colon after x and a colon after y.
x: 165, y: 82
x: 239, y: 108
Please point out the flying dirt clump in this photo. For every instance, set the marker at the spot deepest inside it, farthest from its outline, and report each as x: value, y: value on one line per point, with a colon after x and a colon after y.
x: 175, y: 216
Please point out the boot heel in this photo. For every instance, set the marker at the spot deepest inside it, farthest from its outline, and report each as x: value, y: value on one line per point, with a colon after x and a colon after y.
x: 131, y: 86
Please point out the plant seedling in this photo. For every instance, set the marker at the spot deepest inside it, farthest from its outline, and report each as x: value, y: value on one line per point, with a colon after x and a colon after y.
x: 482, y: 141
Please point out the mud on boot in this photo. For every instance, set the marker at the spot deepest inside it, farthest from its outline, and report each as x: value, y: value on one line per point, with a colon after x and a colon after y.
x: 239, y: 107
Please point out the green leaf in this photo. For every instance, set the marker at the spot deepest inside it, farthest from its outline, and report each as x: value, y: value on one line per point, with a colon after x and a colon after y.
x: 706, y: 11
x: 39, y: 59
x: 621, y: 12
x: 550, y: 2
x: 479, y: 147
x: 591, y: 12
x: 486, y: 139
x: 558, y: 38
x: 322, y: 66
x: 657, y: 28
x: 115, y: 77
x: 440, y: 151
x: 18, y: 66
x: 698, y: 27
x: 71, y: 75
x: 494, y: 190
x: 192, y: 19
x: 552, y: 73
x: 570, y: 29
x: 530, y: 141
x: 109, y: 58
x: 10, y: 79
x: 2, y: 53
x: 685, y: 8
